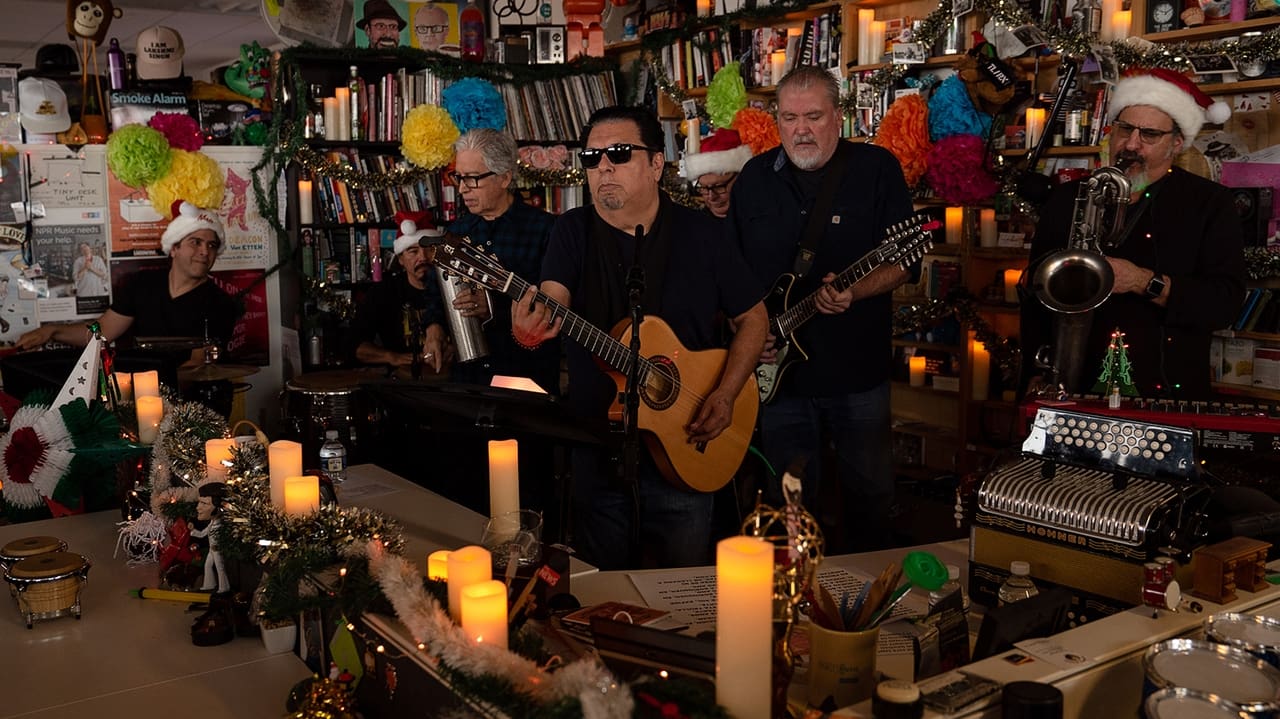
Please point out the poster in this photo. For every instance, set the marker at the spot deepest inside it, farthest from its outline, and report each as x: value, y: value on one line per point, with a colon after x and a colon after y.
x: 135, y: 225
x: 248, y: 233
x: 69, y: 251
x: 17, y: 297
x: 425, y: 25
x: 61, y: 178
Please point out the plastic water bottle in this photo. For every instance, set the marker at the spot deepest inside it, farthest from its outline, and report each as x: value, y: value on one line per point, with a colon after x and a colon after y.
x: 1018, y: 585
x: 333, y: 456
x: 951, y: 585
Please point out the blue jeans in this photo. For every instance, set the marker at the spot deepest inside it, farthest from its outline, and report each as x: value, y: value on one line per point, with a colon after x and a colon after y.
x: 675, y: 524
x: 792, y: 428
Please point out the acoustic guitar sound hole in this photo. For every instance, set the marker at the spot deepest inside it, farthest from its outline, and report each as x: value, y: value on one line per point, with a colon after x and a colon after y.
x: 661, y: 383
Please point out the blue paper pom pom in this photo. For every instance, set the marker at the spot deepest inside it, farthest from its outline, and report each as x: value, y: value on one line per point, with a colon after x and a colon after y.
x: 951, y: 112
x: 473, y: 103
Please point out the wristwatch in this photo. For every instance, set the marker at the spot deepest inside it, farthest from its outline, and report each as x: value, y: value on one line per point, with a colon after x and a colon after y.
x: 1156, y: 286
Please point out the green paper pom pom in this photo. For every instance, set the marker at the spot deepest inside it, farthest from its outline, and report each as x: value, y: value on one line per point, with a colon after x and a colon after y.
x: 726, y: 95
x: 138, y: 155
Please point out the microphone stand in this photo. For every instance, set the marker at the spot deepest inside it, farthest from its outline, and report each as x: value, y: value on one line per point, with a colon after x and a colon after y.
x: 630, y: 469
x: 1031, y: 185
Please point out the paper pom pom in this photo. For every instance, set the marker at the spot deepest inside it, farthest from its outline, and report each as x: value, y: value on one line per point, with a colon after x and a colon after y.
x: 904, y: 131
x: 137, y: 155
x: 757, y: 129
x: 951, y: 112
x: 726, y: 95
x: 180, y: 129
x: 957, y: 172
x: 427, y: 137
x: 473, y: 104
x: 194, y: 177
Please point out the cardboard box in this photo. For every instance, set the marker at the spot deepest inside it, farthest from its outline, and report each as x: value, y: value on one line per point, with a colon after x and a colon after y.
x: 1266, y: 367
x: 1237, y: 361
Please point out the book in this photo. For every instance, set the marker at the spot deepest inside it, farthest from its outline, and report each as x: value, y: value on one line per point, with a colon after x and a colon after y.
x: 1251, y: 324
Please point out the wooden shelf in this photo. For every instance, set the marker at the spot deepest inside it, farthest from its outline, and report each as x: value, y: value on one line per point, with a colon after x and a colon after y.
x: 1243, y: 335
x: 1224, y: 88
x: 944, y: 249
x: 1246, y: 391
x: 935, y: 61
x: 622, y: 46
x: 1063, y: 151
x: 1209, y: 32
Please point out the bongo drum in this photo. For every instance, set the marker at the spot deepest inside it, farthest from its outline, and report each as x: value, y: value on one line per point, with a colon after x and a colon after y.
x: 1232, y: 674
x: 1260, y: 636
x: 48, y: 585
x: 20, y: 549
x: 1173, y: 703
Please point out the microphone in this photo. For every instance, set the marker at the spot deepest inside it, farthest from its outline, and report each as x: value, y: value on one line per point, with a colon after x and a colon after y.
x: 635, y: 275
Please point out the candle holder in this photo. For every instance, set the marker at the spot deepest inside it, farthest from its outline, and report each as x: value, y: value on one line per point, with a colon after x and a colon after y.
x: 515, y: 535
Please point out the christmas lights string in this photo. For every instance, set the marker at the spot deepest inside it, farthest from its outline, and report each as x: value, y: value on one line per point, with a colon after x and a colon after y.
x: 961, y: 305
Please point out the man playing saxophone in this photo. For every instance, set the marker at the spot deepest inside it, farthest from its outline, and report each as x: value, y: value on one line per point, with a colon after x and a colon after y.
x: 1178, y: 261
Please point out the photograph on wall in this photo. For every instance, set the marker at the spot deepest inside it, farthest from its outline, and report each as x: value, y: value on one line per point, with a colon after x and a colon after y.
x: 326, y: 23
x: 135, y: 225
x: 62, y: 178
x: 433, y: 26
x: 382, y: 23
x: 17, y: 297
x: 248, y: 235
x: 69, y: 247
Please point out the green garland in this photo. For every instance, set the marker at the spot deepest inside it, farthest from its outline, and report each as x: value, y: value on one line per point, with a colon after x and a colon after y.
x: 336, y: 303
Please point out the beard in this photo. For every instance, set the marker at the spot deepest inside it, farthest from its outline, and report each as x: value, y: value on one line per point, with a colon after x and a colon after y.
x: 804, y: 153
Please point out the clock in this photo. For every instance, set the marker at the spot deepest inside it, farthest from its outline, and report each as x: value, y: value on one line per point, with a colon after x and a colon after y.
x: 1162, y: 16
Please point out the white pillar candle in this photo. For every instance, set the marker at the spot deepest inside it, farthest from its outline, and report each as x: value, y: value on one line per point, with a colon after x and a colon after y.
x: 955, y: 225
x: 217, y: 450
x: 150, y: 411
x: 981, y: 370
x: 146, y: 384
x: 704, y: 8
x: 916, y: 367
x: 1011, y: 278
x: 987, y: 227
x: 124, y: 383
x: 305, y: 205
x: 1034, y: 125
x: 877, y: 41
x: 484, y: 613
x: 1121, y: 20
x: 343, y: 96
x: 467, y: 566
x: 504, y: 477
x: 301, y: 495
x: 438, y: 565
x: 777, y: 65
x: 865, y: 18
x: 692, y: 136
x: 744, y: 626
x: 331, y: 128
x: 284, y: 459
x: 1109, y: 8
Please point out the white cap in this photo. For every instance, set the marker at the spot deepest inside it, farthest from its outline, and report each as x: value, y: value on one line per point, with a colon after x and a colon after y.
x: 43, y: 105
x: 160, y: 53
x: 1019, y: 568
x: 953, y: 572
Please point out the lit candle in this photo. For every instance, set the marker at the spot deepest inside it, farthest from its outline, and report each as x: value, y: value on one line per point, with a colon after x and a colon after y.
x: 215, y: 451
x: 1011, y: 278
x: 1109, y: 8
x: 466, y: 566
x: 438, y: 565
x: 916, y: 367
x: 1035, y: 125
x: 150, y: 412
x: 304, y: 202
x: 987, y: 227
x: 343, y: 96
x: 1121, y: 19
x: 146, y: 384
x: 704, y: 8
x: 504, y: 477
x: 778, y: 65
x: 744, y: 626
x: 301, y: 495
x: 284, y: 459
x: 124, y: 382
x: 955, y: 225
x: 484, y: 613
x: 981, y: 370
x: 692, y: 136
x: 331, y: 128
x: 865, y: 18
x: 877, y: 41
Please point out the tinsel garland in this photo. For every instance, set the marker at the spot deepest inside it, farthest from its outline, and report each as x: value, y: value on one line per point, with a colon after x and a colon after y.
x: 336, y: 303
x: 1262, y: 262
x: 961, y: 305
x: 177, y: 457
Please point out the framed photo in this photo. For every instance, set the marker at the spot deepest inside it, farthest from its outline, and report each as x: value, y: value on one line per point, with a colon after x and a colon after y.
x: 908, y: 53
x: 1211, y: 64
x: 1029, y: 35
x: 961, y: 7
x: 689, y: 108
x: 1108, y: 68
x: 865, y: 97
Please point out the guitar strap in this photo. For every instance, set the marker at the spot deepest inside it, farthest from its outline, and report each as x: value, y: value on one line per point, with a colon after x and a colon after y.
x: 820, y: 212
x: 605, y: 269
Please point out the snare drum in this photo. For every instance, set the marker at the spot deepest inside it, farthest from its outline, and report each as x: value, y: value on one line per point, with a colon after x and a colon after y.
x: 20, y: 549
x: 1229, y: 673
x: 48, y: 585
x: 1178, y: 703
x: 319, y: 401
x: 1260, y: 636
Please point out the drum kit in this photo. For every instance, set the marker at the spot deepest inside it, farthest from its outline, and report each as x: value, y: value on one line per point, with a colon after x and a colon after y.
x: 217, y: 386
x: 44, y: 579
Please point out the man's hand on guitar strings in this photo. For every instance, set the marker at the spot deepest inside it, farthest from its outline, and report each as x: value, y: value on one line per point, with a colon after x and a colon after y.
x: 769, y: 355
x: 830, y: 302
x: 531, y: 321
x: 715, y: 414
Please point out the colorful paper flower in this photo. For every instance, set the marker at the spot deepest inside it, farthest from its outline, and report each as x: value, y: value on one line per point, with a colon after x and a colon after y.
x: 726, y: 95
x: 474, y: 103
x: 427, y: 137
x: 180, y: 129
x: 137, y: 155
x: 194, y: 177
x: 957, y: 170
x: 904, y: 131
x: 951, y: 112
x: 757, y: 129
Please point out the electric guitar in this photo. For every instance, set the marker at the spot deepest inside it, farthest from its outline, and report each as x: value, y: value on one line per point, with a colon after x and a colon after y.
x: 673, y: 381
x: 905, y: 242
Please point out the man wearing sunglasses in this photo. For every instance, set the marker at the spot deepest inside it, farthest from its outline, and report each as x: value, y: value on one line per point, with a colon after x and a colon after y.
x: 813, y: 207
x: 689, y: 273
x: 1179, y: 264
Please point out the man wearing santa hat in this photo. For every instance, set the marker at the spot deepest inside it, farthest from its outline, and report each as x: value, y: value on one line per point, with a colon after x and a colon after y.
x: 400, y: 323
x: 178, y: 302
x: 1179, y: 263
x: 714, y: 168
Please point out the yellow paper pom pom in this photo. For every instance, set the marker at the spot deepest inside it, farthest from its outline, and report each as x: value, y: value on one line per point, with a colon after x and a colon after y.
x: 194, y: 177
x: 427, y: 137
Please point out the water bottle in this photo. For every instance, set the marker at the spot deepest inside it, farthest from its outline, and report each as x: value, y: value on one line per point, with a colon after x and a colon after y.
x: 1018, y: 585
x: 951, y: 585
x: 115, y: 65
x: 333, y: 456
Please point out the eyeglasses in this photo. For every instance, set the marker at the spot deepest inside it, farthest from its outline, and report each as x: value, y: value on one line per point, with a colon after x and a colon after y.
x: 618, y: 153
x: 1149, y: 135
x: 719, y: 188
x: 385, y: 26
x: 196, y: 243
x: 424, y: 29
x: 470, y: 182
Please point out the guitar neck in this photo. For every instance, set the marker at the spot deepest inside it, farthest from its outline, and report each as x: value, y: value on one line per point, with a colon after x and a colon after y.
x: 595, y: 340
x: 805, y: 309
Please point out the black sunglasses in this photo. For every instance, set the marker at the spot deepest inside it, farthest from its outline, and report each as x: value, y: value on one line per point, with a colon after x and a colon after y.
x: 618, y: 153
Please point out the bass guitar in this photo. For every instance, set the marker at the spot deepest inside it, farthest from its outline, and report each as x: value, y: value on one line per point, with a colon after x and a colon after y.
x: 905, y: 242
x: 674, y: 381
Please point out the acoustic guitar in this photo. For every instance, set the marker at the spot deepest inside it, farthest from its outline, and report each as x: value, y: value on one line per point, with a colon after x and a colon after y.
x: 674, y: 381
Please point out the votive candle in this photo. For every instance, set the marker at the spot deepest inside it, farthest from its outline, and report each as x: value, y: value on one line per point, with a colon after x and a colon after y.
x: 438, y: 565
x: 150, y: 411
x: 284, y: 460
x: 468, y: 565
x: 955, y: 225
x: 916, y: 366
x: 1011, y: 278
x: 484, y: 613
x: 301, y: 495
x: 146, y: 384
x: 704, y: 8
x: 744, y: 626
x: 124, y: 383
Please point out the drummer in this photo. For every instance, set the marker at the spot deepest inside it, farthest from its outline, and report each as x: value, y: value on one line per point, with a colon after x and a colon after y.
x: 400, y: 323
x: 177, y: 302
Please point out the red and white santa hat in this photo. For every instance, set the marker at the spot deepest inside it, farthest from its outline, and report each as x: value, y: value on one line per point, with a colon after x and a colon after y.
x: 722, y: 153
x: 413, y: 227
x: 188, y: 218
x: 1173, y: 93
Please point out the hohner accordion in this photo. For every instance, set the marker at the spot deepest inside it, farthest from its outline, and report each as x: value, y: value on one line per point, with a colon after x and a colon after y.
x: 1089, y: 501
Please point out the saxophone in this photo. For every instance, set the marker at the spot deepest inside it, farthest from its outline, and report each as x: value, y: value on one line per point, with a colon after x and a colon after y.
x: 1077, y: 279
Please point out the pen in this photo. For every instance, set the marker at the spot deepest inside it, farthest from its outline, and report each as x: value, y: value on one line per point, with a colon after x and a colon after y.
x: 170, y: 595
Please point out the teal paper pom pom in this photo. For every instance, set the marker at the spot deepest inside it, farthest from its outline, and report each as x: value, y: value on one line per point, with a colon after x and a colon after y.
x: 138, y: 155
x: 473, y: 103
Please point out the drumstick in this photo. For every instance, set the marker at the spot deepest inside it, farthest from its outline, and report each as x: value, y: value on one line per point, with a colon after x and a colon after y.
x: 170, y: 595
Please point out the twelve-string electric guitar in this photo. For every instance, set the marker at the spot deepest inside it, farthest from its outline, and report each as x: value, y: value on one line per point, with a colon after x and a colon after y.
x: 905, y: 242
x: 673, y: 381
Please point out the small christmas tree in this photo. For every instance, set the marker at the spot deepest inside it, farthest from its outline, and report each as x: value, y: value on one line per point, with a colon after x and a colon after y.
x: 1115, y: 368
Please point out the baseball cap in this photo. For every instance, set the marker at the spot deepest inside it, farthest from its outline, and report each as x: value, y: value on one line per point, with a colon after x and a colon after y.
x: 43, y: 106
x: 160, y: 53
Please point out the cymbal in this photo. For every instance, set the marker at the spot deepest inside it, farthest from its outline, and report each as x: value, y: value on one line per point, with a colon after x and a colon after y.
x: 215, y: 372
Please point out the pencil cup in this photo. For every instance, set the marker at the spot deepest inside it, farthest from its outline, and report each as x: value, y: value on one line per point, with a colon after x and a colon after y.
x: 842, y: 665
